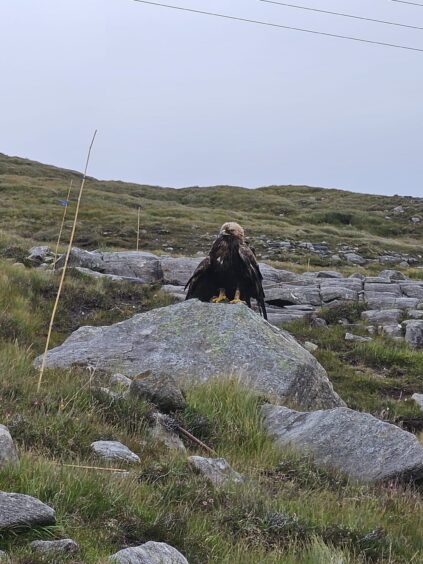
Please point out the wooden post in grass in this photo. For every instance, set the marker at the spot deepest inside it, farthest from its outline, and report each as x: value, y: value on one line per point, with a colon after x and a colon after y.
x: 62, y: 225
x: 138, y: 228
x: 59, y: 291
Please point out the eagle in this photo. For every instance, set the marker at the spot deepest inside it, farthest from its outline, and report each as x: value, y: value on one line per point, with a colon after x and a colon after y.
x: 230, y: 272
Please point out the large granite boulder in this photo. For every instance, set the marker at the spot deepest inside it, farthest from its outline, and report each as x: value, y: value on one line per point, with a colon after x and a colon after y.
x: 355, y: 443
x: 193, y: 341
x: 133, y: 264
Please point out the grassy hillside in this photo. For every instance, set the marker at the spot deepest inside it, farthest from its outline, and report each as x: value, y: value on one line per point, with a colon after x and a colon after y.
x: 288, y: 511
x: 186, y: 220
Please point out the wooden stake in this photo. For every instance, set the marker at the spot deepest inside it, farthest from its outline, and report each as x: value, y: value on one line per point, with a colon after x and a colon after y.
x: 59, y: 291
x: 195, y: 440
x: 61, y: 227
x: 138, y: 229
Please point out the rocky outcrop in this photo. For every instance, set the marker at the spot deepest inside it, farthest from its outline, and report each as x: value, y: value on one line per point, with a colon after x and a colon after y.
x: 129, y: 264
x: 355, y: 443
x: 18, y: 511
x: 193, y: 342
x: 149, y: 553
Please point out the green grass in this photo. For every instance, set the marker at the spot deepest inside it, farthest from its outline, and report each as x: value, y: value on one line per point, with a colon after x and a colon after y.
x: 188, y: 219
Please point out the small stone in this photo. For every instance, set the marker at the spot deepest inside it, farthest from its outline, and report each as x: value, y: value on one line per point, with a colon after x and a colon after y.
x: 393, y: 275
x: 8, y: 452
x: 149, y: 553
x: 114, y: 450
x: 23, y: 511
x: 355, y: 258
x: 398, y: 210
x: 120, y: 380
x: 160, y: 390
x: 357, y: 338
x: 416, y: 219
x: 4, y: 556
x: 215, y: 470
x: 318, y: 322
x: 162, y: 433
x: 310, y: 347
x: 55, y: 546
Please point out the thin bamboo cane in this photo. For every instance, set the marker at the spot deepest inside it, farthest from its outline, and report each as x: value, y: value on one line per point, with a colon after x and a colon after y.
x: 59, y: 291
x: 138, y: 229
x: 61, y: 227
x: 93, y: 468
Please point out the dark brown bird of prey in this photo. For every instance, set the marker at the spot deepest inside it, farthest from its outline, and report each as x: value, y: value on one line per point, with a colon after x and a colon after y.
x: 229, y: 273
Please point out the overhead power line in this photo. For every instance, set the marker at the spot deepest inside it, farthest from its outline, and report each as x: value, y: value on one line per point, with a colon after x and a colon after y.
x: 342, y: 14
x: 406, y: 2
x: 280, y: 26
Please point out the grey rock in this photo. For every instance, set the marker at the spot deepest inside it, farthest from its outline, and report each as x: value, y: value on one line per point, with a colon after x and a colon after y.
x: 355, y: 443
x: 394, y: 331
x: 121, y: 381
x: 310, y: 347
x: 414, y: 333
x: 56, y: 546
x: 329, y: 274
x: 332, y: 293
x: 416, y: 219
x: 4, y: 556
x: 318, y: 322
x: 393, y: 275
x: 415, y: 314
x: 149, y: 553
x: 133, y: 264
x: 386, y: 302
x: 412, y: 290
x: 357, y: 338
x: 194, y: 342
x: 381, y: 317
x: 112, y: 277
x: 357, y: 275
x: 38, y: 254
x: 393, y: 289
x: 351, y: 283
x: 215, y: 470
x: 294, y: 294
x: 418, y: 398
x: 398, y: 210
x: 23, y: 511
x: 114, y: 450
x: 178, y: 292
x: 390, y: 259
x: 161, y: 432
x: 8, y: 452
x: 178, y: 270
x: 161, y: 390
x: 105, y: 394
x: 355, y: 258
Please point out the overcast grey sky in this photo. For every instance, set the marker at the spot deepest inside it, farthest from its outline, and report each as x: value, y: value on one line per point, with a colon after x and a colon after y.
x: 182, y: 99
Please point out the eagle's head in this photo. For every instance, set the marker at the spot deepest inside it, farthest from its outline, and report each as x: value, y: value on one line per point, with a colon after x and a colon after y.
x: 232, y: 229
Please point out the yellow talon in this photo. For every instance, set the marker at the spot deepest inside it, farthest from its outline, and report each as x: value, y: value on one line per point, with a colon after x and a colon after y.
x: 237, y: 298
x: 221, y: 297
